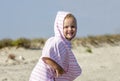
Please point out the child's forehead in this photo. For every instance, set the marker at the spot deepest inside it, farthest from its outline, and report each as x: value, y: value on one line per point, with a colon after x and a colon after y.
x: 69, y: 20
x: 71, y: 17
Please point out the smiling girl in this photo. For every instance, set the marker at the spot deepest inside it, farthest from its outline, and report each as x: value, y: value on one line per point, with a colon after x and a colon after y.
x: 58, y: 62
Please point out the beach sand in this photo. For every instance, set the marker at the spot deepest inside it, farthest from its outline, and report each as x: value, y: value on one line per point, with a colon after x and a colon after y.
x: 103, y: 64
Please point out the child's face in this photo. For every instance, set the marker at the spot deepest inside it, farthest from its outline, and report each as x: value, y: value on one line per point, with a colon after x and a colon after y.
x: 69, y: 28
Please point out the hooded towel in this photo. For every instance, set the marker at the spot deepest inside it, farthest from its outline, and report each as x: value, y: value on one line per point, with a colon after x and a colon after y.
x: 58, y: 49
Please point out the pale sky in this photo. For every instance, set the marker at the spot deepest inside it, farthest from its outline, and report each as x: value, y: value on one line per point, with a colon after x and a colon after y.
x: 35, y: 18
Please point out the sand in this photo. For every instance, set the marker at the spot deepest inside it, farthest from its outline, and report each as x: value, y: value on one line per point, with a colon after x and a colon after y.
x: 103, y: 64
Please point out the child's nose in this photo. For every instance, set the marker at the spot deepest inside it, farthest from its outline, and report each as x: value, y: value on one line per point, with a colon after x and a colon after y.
x: 69, y: 28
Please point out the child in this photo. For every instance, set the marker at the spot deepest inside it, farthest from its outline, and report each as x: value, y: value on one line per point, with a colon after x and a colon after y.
x: 58, y: 62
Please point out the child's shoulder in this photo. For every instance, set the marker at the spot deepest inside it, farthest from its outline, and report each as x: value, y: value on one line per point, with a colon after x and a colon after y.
x: 59, y: 42
x: 55, y: 41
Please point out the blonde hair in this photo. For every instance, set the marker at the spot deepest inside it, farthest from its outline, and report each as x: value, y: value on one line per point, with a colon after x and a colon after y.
x: 70, y: 16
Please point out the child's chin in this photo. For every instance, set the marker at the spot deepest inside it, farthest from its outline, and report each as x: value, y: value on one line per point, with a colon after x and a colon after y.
x: 70, y: 38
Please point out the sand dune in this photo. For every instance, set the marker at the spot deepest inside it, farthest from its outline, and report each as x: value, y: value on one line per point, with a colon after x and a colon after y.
x: 102, y: 64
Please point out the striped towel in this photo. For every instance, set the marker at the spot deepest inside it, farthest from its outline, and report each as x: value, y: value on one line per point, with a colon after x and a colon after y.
x: 58, y: 49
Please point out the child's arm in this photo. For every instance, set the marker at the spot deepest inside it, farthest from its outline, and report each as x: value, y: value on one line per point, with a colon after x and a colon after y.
x: 58, y: 69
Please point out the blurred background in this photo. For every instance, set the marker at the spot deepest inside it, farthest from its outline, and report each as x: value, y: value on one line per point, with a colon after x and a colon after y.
x: 35, y: 18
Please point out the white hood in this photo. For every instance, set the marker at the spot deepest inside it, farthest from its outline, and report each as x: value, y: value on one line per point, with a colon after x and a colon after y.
x: 58, y: 25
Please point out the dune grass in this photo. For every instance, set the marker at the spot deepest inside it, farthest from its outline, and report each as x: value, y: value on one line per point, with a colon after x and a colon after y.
x: 95, y: 41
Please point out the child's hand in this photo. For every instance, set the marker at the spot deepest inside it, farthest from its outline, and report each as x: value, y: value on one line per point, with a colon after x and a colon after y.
x: 59, y: 72
x: 58, y: 69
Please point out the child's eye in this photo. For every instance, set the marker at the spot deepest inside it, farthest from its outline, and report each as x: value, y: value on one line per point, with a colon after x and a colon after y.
x: 72, y: 26
x: 65, y: 26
